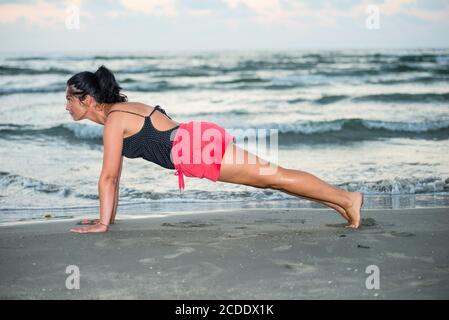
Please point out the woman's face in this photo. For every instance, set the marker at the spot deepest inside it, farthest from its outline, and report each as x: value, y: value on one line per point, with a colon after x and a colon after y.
x: 74, y: 106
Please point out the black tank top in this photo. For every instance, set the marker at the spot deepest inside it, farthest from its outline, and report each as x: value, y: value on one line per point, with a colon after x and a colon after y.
x: 149, y: 143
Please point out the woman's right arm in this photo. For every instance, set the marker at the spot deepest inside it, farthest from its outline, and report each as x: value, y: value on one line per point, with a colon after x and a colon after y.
x: 117, y: 192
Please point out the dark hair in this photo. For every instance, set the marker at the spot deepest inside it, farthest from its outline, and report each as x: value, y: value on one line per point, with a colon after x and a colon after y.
x: 101, y: 85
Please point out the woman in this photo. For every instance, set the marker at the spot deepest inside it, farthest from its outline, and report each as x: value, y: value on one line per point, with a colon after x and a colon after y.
x: 133, y: 129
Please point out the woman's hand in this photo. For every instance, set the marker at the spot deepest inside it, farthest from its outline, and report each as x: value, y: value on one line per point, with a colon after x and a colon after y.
x: 96, y: 228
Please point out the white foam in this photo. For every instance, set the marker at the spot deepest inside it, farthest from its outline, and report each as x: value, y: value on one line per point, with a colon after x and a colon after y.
x: 85, y: 131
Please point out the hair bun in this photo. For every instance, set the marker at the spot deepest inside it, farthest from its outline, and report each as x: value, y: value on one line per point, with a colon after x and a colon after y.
x: 101, y: 85
x: 109, y: 88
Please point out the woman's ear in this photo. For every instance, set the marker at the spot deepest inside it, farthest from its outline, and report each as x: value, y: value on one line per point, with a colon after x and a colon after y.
x: 87, y: 101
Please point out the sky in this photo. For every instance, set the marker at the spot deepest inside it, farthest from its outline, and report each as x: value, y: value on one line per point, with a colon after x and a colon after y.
x: 215, y: 25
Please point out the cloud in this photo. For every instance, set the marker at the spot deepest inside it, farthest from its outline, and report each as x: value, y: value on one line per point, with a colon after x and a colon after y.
x: 152, y: 7
x: 266, y: 11
x: 167, y: 8
x: 198, y: 12
x: 290, y: 13
x: 40, y: 13
x: 296, y: 13
x: 405, y: 8
x: 431, y: 15
x: 114, y: 13
x: 232, y: 24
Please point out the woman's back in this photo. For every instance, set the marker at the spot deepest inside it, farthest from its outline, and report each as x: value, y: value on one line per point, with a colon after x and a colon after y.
x: 133, y: 123
x: 146, y: 141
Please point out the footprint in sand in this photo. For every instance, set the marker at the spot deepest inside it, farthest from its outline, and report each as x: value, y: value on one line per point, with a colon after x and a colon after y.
x: 402, y: 234
x: 187, y: 224
x: 282, y: 248
x: 368, y: 222
x: 179, y: 252
x: 147, y: 260
x: 365, y: 223
x: 294, y: 266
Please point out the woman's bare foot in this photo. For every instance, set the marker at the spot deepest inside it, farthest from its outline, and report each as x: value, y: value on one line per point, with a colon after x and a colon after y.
x: 340, y: 210
x: 96, y: 228
x: 354, y: 210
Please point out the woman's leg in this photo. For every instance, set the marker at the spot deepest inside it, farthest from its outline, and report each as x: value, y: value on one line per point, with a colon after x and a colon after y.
x: 242, y: 167
x: 334, y: 206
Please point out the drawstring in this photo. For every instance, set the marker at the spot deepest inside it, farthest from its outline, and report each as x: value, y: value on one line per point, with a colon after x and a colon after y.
x: 180, y: 179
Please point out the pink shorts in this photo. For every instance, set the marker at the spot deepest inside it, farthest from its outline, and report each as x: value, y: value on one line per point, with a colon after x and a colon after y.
x: 198, y: 149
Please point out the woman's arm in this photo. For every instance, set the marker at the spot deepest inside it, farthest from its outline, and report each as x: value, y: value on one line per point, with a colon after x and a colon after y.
x: 117, y: 192
x: 107, y: 186
x: 106, y: 190
x: 109, y: 177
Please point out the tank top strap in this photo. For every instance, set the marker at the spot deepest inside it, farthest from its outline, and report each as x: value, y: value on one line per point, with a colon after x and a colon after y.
x: 126, y: 112
x: 158, y: 107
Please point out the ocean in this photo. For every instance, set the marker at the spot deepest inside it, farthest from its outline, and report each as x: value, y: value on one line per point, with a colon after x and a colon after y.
x: 375, y: 121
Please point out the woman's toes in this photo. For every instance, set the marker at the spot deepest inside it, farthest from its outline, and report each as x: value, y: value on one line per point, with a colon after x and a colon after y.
x: 353, y: 226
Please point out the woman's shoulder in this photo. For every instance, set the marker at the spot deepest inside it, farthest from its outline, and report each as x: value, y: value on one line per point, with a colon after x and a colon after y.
x: 135, y: 107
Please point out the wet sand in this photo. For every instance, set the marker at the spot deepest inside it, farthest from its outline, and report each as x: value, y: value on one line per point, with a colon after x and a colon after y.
x: 247, y: 254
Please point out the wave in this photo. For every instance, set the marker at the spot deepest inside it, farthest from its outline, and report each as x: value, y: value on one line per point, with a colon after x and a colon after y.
x: 128, y: 85
x: 420, y: 79
x: 379, y: 58
x: 399, y: 185
x: 241, y: 80
x: 129, y: 196
x: 421, y: 58
x: 7, y: 179
x: 303, y: 132
x: 186, y: 72
x: 317, y: 76
x: 292, y: 82
x: 211, y: 70
x: 324, y: 99
x: 366, y: 62
x: 235, y: 112
x: 28, y: 58
x: 383, y: 97
x: 379, y: 71
x: 12, y: 71
x: 125, y: 57
x: 404, y: 97
x: 330, y: 99
x: 157, y: 86
x: 342, y: 131
x: 70, y: 131
x: 82, y: 57
x: 51, y: 88
x: 316, y: 79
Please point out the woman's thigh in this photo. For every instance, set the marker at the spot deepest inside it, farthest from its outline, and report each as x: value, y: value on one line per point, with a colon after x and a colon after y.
x: 243, y: 167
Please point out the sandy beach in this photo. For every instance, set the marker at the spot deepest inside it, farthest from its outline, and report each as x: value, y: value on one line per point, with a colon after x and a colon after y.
x: 247, y: 254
